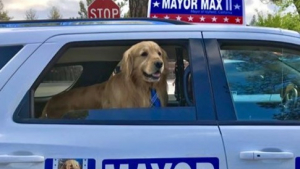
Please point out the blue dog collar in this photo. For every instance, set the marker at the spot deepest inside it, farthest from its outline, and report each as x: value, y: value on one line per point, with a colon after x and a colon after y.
x: 155, y: 102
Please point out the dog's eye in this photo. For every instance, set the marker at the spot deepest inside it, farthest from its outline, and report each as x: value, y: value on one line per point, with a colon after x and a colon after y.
x: 144, y: 54
x: 159, y: 53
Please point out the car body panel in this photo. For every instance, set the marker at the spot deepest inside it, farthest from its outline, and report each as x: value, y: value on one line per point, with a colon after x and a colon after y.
x: 242, y: 136
x: 101, y: 142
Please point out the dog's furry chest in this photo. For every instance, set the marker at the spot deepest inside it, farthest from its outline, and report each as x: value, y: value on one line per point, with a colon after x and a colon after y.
x: 123, y: 98
x: 139, y: 99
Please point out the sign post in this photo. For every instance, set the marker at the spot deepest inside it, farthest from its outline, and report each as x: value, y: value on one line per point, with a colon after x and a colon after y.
x: 103, y: 9
x: 199, y: 11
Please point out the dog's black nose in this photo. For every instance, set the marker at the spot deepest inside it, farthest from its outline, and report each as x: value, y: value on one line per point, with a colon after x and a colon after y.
x: 158, y: 64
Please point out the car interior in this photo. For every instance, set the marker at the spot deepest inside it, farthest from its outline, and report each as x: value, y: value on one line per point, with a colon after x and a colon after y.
x: 85, y: 64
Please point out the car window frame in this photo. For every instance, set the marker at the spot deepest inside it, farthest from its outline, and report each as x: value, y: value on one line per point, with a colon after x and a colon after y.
x: 223, y: 99
x: 198, y: 85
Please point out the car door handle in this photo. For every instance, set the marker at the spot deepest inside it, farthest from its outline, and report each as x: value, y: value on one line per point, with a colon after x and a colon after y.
x: 257, y: 155
x: 4, y: 159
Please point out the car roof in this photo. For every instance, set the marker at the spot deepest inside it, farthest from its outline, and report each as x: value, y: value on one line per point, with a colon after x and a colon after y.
x: 19, y: 32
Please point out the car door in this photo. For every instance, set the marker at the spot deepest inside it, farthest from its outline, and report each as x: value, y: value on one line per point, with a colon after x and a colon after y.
x: 255, y: 80
x: 170, y: 138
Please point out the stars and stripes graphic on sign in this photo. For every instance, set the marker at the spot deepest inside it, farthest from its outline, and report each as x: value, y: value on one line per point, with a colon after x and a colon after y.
x: 199, y: 11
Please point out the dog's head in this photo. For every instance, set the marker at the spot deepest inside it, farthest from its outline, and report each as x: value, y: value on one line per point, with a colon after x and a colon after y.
x: 145, y: 59
x: 70, y: 164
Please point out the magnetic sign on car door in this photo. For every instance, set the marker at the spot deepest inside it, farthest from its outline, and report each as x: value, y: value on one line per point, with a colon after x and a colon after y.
x: 297, y: 163
x: 162, y: 163
x: 66, y: 163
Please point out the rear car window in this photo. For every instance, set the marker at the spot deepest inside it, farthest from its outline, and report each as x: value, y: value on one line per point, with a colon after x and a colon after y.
x: 264, y: 81
x: 7, y: 53
x: 58, y: 80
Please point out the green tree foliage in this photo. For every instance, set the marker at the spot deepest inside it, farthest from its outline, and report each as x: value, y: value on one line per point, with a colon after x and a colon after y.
x: 279, y: 19
x: 287, y: 3
x: 84, y: 6
x: 4, y: 14
x: 54, y: 13
x: 122, y: 4
x: 31, y: 15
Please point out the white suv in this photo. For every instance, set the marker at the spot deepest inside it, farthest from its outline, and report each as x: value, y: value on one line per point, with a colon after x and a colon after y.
x: 239, y: 110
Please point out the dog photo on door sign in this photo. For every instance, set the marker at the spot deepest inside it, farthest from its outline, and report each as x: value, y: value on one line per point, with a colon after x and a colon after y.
x: 70, y: 163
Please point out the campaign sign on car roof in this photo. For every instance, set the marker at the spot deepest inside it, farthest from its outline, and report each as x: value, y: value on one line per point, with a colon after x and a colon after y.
x: 199, y: 11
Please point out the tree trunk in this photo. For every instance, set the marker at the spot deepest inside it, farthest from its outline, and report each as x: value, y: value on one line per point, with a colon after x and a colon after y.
x: 138, y: 8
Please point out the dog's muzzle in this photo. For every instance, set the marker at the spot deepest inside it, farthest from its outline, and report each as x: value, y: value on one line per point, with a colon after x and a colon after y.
x: 158, y: 65
x: 154, y: 76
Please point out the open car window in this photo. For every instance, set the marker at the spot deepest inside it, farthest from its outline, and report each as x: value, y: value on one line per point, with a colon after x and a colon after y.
x: 85, y: 64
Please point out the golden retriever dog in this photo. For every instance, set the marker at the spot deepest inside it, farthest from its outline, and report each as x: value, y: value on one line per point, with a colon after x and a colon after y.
x: 70, y: 164
x: 144, y: 67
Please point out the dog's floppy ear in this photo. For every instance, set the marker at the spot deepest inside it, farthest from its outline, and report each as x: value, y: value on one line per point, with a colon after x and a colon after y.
x: 164, y: 53
x: 127, y: 63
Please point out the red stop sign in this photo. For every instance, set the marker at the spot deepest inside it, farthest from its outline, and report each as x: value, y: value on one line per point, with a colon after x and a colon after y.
x: 103, y: 9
